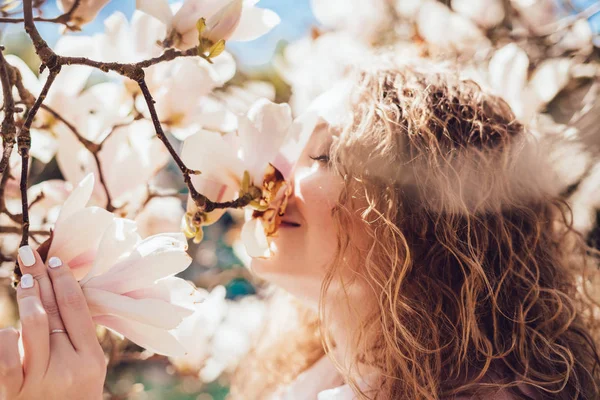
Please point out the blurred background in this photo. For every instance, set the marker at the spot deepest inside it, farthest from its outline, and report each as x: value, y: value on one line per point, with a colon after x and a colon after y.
x: 541, y: 56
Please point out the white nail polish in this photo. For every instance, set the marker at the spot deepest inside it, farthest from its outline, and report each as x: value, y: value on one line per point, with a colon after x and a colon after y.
x: 54, y: 262
x: 27, y: 256
x: 27, y: 281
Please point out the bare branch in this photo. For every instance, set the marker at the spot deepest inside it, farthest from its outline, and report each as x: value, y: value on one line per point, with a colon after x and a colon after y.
x: 64, y: 19
x: 24, y: 142
x: 8, y: 124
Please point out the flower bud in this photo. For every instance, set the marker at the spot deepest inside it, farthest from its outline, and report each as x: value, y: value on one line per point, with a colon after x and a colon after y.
x: 224, y: 23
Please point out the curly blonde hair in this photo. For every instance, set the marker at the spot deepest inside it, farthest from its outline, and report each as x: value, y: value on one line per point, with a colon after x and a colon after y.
x: 480, y: 283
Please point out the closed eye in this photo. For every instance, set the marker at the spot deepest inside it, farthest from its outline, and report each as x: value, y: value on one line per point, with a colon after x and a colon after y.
x: 322, y: 158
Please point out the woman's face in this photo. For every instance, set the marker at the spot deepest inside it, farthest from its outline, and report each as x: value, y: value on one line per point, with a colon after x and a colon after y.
x: 306, y: 241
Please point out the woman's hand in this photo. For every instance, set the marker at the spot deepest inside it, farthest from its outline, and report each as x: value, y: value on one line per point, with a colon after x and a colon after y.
x: 62, y: 357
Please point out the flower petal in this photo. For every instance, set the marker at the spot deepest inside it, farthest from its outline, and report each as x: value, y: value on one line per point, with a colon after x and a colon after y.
x: 508, y: 70
x: 216, y: 159
x: 262, y: 134
x: 76, y: 246
x: 153, y: 312
x: 254, y: 23
x: 154, y: 258
x: 157, y: 340
x: 117, y: 242
x: 77, y: 200
x: 300, y: 133
x: 191, y: 11
x: 255, y: 240
x: 159, y: 9
x: 173, y: 290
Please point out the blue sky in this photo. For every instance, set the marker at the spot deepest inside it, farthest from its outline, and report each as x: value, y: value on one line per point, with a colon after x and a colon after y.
x: 296, y: 20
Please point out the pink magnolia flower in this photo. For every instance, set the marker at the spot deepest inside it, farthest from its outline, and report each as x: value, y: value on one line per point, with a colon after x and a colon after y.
x: 237, y: 20
x: 128, y: 281
x: 85, y: 12
x: 255, y: 160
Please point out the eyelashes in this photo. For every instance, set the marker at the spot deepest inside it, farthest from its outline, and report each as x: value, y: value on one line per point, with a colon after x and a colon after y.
x: 324, y: 158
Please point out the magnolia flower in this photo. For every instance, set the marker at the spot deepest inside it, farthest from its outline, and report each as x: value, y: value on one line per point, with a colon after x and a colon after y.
x: 447, y: 30
x: 363, y: 20
x: 237, y: 20
x: 161, y: 214
x: 253, y: 163
x: 128, y: 282
x: 85, y: 12
x: 485, y: 13
x: 131, y: 154
x: 130, y: 42
x: 182, y: 92
x: 313, y: 66
x: 240, y: 99
x: 526, y: 92
x: 221, y: 333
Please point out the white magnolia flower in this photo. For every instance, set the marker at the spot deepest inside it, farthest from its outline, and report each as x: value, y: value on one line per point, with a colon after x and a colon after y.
x: 313, y: 66
x: 182, y: 91
x: 526, y: 93
x: 221, y: 333
x: 161, y: 214
x: 363, y: 20
x: 485, y: 13
x: 236, y: 20
x: 131, y: 154
x: 128, y: 282
x: 85, y: 12
x: 240, y: 99
x: 447, y: 30
x: 254, y: 162
x: 129, y: 42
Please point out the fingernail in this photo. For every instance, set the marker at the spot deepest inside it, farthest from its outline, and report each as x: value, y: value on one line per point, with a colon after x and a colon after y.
x: 54, y: 262
x: 27, y: 281
x: 27, y: 257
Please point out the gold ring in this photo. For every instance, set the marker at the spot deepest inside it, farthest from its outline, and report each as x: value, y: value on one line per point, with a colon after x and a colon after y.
x: 57, y: 331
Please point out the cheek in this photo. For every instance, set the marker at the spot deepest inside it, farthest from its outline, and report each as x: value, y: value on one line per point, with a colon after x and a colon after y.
x: 301, y: 256
x: 316, y: 200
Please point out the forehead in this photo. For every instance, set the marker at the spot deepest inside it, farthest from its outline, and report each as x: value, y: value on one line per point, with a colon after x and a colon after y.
x: 322, y: 133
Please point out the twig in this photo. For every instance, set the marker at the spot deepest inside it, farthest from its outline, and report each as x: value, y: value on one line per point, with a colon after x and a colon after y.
x: 24, y: 142
x: 203, y: 203
x: 64, y: 19
x: 8, y: 123
x: 17, y: 230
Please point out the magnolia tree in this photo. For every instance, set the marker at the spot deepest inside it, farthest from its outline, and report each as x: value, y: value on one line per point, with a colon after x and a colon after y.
x: 169, y: 98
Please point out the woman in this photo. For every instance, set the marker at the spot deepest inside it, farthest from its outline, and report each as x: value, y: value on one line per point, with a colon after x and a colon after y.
x: 424, y: 230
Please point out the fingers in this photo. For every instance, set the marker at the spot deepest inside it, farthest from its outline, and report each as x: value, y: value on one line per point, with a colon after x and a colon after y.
x: 34, y: 321
x: 11, y: 369
x: 73, y: 306
x: 30, y: 262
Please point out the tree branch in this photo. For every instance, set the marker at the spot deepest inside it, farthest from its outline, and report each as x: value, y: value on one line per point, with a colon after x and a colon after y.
x: 8, y: 124
x: 24, y: 142
x: 64, y: 19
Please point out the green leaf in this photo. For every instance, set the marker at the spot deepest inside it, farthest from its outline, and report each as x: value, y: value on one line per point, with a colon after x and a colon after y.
x: 217, y: 49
